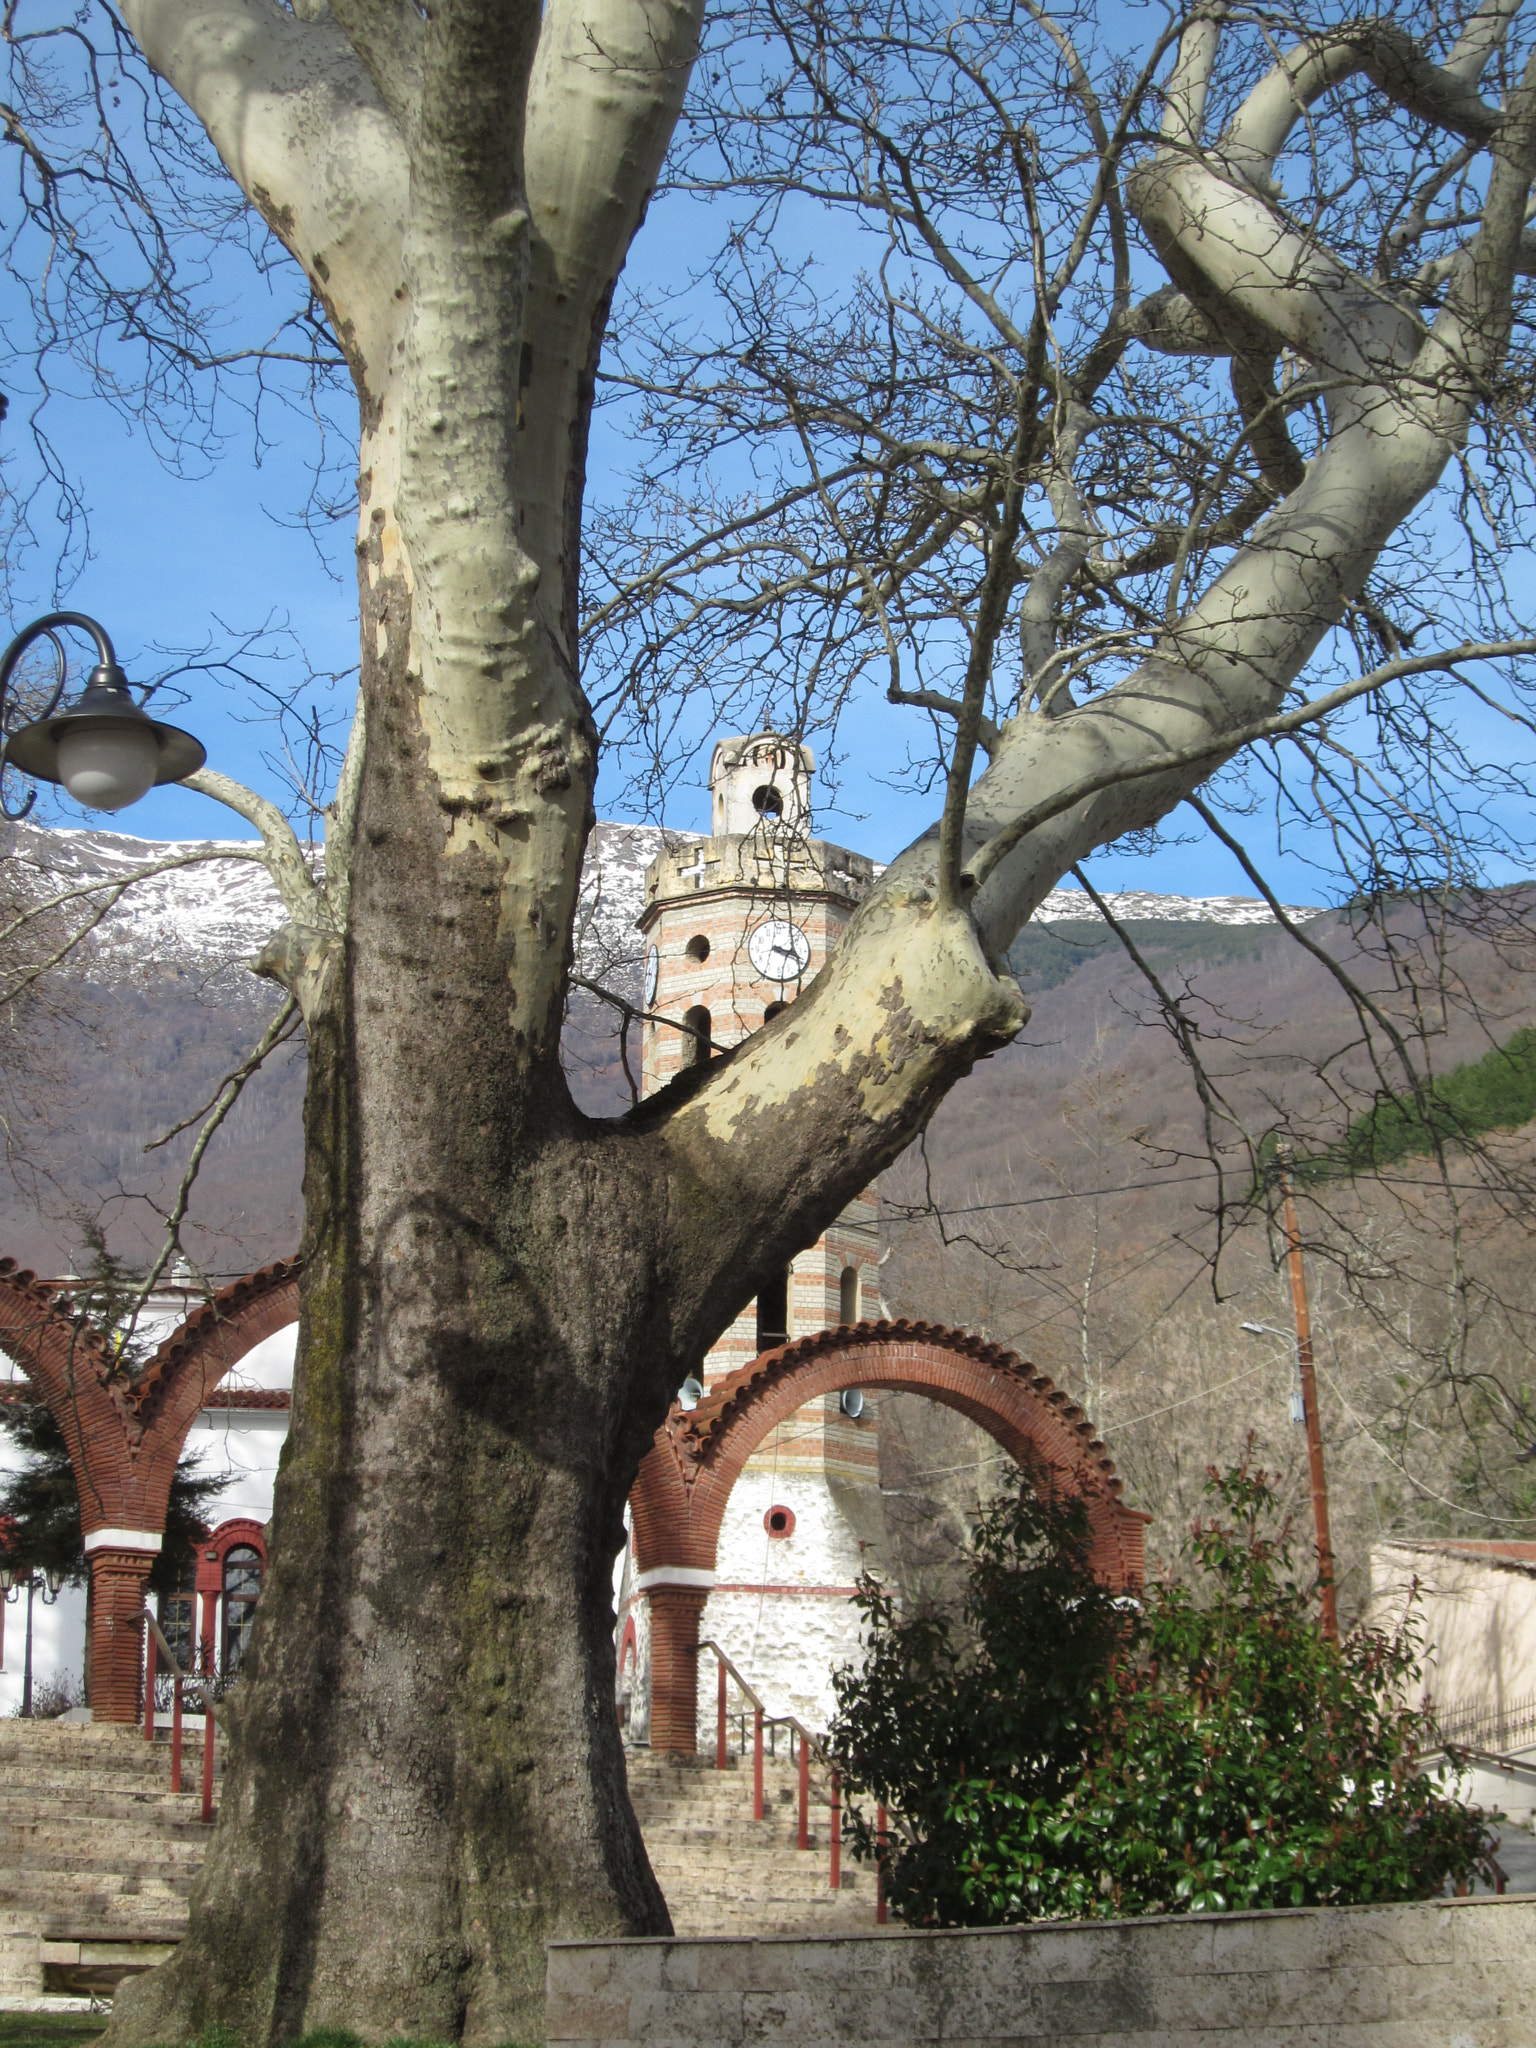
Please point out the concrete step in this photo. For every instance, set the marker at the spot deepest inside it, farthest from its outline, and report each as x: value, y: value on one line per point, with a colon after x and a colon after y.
x: 95, y: 1850
x: 143, y: 1864
x: 725, y: 1873
x: 58, y: 1891
x: 21, y: 1804
x: 97, y: 1855
x: 181, y: 1821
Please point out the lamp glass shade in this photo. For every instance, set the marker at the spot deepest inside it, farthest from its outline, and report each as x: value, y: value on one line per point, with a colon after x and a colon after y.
x: 108, y: 763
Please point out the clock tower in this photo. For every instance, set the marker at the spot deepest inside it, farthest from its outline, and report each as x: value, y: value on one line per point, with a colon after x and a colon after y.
x: 739, y: 922
x: 736, y: 925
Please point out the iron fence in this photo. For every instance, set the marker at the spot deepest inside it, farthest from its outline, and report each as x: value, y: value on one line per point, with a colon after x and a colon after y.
x: 1476, y: 1724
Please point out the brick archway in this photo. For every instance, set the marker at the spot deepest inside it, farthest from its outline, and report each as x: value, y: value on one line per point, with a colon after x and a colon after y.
x: 685, y: 1480
x: 125, y: 1436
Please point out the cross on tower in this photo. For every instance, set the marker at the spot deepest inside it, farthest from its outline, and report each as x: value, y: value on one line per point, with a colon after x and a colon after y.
x: 696, y: 872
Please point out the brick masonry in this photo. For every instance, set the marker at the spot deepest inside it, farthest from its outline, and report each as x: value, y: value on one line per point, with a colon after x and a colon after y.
x: 125, y: 1435
x: 1452, y: 1974
x: 685, y: 1480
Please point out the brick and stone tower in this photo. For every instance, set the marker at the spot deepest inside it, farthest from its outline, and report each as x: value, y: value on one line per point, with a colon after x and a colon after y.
x: 737, y: 924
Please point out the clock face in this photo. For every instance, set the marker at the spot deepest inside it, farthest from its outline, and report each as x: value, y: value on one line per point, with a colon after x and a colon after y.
x: 779, y: 951
x: 652, y: 975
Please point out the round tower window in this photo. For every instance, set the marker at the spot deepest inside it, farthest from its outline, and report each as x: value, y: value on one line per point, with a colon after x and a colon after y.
x: 697, y: 947
x: 780, y: 1521
x: 768, y: 801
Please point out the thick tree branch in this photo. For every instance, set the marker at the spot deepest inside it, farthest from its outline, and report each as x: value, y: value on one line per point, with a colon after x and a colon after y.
x: 1204, y: 754
x: 1485, y: 33
x: 1387, y: 56
x: 293, y: 113
x: 1184, y: 102
x: 1226, y: 246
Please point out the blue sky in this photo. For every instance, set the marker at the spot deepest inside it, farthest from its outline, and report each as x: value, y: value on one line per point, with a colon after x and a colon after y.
x: 176, y: 559
x: 173, y: 557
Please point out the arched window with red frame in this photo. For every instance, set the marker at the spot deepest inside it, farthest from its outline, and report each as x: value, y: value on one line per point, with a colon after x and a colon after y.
x: 242, y: 1589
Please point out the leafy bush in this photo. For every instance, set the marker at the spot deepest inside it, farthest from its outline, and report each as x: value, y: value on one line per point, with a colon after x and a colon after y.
x: 1064, y: 1755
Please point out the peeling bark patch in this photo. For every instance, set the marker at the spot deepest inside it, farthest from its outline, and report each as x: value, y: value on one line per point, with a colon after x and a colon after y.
x: 279, y: 218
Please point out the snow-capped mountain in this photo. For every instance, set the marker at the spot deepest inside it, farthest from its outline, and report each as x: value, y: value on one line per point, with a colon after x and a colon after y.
x: 1132, y: 905
x: 207, y: 906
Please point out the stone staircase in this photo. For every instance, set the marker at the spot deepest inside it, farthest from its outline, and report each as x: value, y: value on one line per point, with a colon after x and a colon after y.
x: 723, y: 1872
x: 97, y: 1855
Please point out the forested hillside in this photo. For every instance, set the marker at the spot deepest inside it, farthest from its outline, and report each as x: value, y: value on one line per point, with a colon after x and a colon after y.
x: 1067, y: 1199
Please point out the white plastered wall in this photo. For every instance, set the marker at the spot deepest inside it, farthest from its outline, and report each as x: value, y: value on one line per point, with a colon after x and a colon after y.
x: 245, y: 1444
x: 782, y: 1606
x: 58, y: 1632
x: 1477, y: 1621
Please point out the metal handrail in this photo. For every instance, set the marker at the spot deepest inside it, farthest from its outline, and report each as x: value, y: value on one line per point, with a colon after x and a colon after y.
x: 203, y: 1684
x: 831, y: 1797
x: 817, y: 1746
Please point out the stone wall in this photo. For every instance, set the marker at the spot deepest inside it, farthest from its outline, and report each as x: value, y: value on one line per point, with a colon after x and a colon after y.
x: 1457, y: 1974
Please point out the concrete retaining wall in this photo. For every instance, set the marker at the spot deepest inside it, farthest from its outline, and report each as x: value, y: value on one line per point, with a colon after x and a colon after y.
x: 1461, y: 1974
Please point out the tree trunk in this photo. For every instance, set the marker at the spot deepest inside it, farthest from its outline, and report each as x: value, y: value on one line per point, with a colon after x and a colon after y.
x: 425, y: 1777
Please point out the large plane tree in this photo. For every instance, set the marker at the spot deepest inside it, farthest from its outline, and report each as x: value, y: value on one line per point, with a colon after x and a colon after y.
x: 1158, y: 349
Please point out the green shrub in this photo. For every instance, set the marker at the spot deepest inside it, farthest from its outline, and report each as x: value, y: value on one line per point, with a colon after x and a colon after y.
x: 1066, y: 1755
x: 1496, y: 1092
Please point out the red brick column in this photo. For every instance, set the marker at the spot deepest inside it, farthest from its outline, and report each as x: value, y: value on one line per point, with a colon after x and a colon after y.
x: 675, y: 1616
x: 118, y: 1580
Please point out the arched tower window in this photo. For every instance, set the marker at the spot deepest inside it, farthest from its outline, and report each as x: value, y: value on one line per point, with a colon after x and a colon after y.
x: 848, y: 1295
x: 773, y: 1312
x: 242, y: 1589
x: 696, y: 1023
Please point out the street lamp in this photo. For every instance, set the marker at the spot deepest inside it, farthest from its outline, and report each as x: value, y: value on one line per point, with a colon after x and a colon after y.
x: 105, y: 749
x: 14, y: 1579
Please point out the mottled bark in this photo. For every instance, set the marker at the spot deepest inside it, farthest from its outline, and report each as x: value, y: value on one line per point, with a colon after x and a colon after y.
x: 500, y: 1296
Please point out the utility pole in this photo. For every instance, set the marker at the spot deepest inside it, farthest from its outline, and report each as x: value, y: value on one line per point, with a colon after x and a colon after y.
x: 1309, y: 1402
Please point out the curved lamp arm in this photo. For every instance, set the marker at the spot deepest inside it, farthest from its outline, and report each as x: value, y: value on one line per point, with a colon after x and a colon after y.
x: 104, y: 747
x: 41, y: 629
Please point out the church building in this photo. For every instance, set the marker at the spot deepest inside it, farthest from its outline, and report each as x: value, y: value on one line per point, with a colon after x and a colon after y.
x: 736, y: 926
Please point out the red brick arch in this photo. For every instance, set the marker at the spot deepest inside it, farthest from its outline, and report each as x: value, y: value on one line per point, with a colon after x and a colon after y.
x: 685, y: 1480
x: 125, y: 1435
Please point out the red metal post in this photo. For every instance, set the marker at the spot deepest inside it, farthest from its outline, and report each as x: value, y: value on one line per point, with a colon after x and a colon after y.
x: 757, y: 1763
x: 880, y: 1907
x: 836, y: 1878
x: 210, y: 1601
x: 803, y: 1838
x: 176, y: 1735
x: 151, y: 1664
x: 207, y: 1758
x: 720, y: 1755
